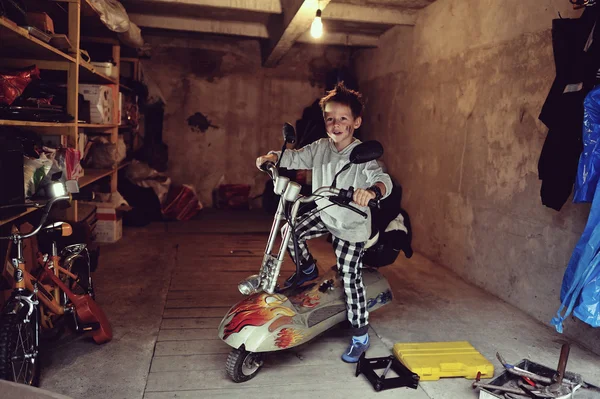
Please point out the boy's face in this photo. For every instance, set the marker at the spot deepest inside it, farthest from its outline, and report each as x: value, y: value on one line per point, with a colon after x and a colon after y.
x: 340, y: 124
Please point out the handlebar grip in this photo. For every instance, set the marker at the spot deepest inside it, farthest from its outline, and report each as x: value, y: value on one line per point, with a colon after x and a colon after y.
x: 373, y: 203
x: 89, y: 196
x: 266, y: 166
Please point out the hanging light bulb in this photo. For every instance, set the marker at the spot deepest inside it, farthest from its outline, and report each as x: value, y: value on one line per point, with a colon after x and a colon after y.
x: 316, y: 29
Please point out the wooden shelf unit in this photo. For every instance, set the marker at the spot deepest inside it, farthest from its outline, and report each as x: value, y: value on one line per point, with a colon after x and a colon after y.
x: 18, y: 215
x: 19, y: 49
x: 15, y: 40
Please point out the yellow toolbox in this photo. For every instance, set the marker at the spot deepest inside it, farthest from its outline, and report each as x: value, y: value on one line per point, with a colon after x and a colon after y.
x: 435, y: 360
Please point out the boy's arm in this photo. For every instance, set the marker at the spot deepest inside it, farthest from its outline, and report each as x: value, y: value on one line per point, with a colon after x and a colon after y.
x: 297, y: 159
x: 377, y: 177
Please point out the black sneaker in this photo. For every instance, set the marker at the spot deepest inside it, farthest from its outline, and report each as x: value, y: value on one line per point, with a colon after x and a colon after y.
x: 304, y: 278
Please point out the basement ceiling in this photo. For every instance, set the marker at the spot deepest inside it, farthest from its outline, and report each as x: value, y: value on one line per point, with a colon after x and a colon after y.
x: 278, y: 23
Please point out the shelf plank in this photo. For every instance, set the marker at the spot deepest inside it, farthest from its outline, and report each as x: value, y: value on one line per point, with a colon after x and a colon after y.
x: 17, y: 216
x: 8, y: 122
x: 89, y: 74
x: 125, y: 88
x: 92, y: 175
x: 96, y: 126
x: 17, y: 42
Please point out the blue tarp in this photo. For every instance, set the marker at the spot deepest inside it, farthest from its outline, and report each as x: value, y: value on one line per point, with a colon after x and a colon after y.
x: 580, y: 292
x: 589, y: 161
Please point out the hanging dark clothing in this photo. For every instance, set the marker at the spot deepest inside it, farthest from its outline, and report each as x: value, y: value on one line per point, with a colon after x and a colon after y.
x: 576, y: 45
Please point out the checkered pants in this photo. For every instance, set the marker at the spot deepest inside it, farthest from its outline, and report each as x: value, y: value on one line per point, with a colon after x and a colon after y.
x: 349, y: 263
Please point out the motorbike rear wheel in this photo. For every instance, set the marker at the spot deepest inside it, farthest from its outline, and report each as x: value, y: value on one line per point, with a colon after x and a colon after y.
x: 242, y: 365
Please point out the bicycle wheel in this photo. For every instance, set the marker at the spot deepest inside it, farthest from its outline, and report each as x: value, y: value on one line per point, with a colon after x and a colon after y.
x: 19, y: 356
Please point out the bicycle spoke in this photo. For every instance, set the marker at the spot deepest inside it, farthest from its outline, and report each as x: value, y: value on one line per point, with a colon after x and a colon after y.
x: 23, y: 360
x: 23, y: 355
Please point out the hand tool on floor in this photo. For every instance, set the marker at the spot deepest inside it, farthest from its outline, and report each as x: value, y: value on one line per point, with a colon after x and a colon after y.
x: 367, y: 367
x: 522, y: 373
x: 558, y: 387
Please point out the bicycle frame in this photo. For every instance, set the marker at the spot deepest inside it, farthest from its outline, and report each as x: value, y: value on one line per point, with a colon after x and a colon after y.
x: 22, y: 280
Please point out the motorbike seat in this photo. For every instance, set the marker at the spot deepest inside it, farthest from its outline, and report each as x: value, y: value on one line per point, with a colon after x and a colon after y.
x: 373, y: 238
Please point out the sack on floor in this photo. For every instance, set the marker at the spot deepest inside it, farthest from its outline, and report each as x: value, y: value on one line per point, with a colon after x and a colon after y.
x: 232, y: 196
x: 182, y: 203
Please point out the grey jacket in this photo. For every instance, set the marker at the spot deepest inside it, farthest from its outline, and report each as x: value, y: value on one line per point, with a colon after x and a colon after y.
x: 325, y: 161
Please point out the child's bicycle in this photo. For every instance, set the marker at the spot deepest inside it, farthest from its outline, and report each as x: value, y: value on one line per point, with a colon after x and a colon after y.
x: 36, y: 302
x: 73, y: 266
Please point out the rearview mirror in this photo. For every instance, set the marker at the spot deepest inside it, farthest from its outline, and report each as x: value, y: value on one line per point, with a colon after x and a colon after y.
x: 362, y: 153
x: 365, y: 152
x: 289, y: 133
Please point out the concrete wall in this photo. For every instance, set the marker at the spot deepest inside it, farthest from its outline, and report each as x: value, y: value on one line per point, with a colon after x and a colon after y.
x: 223, y: 80
x: 455, y: 101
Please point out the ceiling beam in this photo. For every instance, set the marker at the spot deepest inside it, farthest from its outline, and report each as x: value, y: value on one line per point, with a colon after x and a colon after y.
x: 284, y: 30
x: 264, y: 6
x: 375, y: 15
x: 235, y: 28
x: 341, y: 39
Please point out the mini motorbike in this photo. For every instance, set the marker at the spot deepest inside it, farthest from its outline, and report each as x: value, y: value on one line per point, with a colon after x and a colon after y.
x: 272, y: 319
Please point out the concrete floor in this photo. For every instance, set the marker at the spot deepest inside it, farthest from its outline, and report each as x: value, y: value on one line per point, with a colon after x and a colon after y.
x: 165, y: 288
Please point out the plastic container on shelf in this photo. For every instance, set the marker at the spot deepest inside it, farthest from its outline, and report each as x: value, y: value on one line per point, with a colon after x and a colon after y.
x: 106, y: 68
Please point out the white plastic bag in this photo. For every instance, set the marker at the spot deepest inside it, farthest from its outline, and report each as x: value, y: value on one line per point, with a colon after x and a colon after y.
x: 133, y: 37
x: 35, y: 170
x: 141, y: 174
x: 112, y: 14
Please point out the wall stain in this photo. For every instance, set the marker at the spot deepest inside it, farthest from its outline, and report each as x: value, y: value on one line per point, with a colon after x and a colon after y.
x: 200, y: 123
x: 207, y: 64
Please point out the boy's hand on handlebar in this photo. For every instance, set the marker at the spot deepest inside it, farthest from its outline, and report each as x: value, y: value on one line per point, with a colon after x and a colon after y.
x: 265, y: 158
x: 362, y: 197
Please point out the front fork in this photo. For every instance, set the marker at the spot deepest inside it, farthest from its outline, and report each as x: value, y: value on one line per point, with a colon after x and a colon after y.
x: 266, y: 280
x: 22, y: 298
x: 271, y: 266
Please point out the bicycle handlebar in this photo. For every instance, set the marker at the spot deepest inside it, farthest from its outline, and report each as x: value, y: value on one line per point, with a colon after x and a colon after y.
x: 47, y: 207
x: 89, y: 196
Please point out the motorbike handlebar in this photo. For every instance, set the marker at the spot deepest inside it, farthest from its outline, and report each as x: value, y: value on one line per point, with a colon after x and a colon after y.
x: 266, y: 166
x: 348, y: 195
x: 344, y: 197
x: 271, y: 169
x: 340, y: 197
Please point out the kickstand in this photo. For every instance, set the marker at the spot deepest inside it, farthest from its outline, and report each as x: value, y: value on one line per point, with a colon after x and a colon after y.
x: 406, y: 378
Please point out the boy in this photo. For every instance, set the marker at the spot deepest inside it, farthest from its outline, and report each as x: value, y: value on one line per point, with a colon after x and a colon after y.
x: 342, y: 110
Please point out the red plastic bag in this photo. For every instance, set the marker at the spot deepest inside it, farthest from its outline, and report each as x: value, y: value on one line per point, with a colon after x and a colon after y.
x: 232, y: 196
x: 182, y: 203
x: 12, y: 84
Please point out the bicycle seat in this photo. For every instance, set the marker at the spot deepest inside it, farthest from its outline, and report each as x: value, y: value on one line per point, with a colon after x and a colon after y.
x: 58, y: 229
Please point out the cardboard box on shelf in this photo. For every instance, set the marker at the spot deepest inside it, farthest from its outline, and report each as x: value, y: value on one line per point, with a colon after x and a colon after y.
x: 101, y: 102
x: 109, y: 225
x: 41, y: 20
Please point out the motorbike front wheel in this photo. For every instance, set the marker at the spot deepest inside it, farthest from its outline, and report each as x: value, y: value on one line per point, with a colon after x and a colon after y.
x: 242, y: 365
x: 19, y: 355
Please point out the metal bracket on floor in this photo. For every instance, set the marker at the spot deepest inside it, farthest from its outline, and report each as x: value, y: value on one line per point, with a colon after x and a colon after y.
x: 406, y: 378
